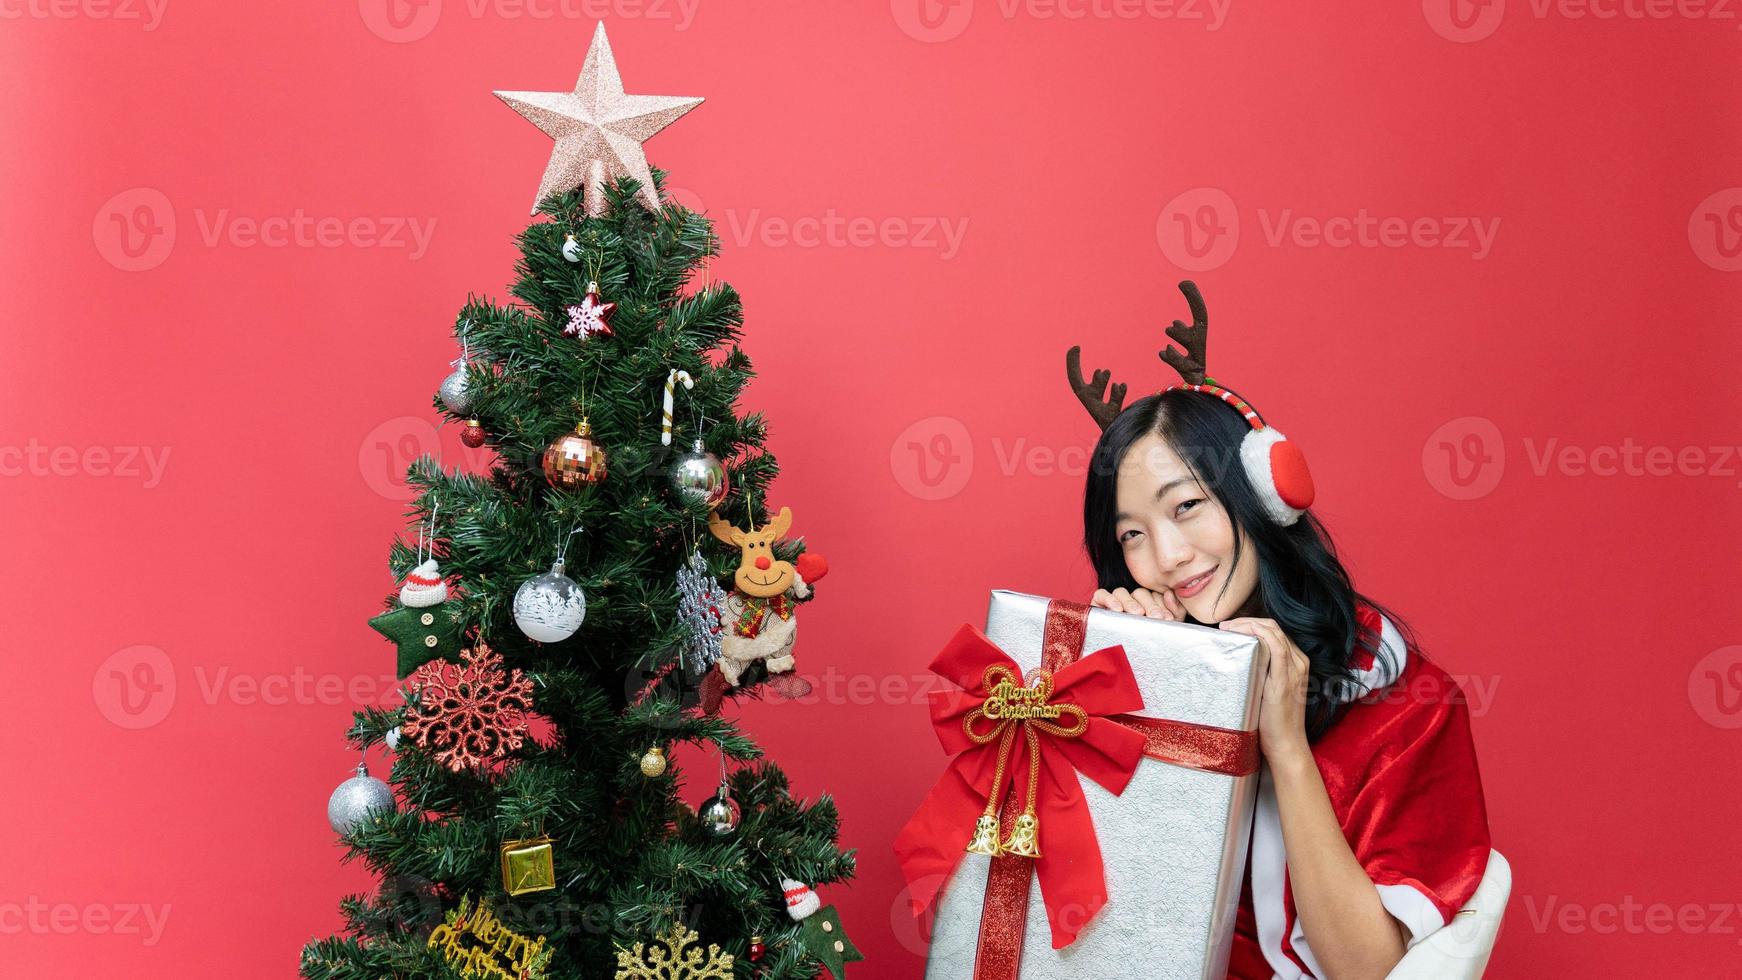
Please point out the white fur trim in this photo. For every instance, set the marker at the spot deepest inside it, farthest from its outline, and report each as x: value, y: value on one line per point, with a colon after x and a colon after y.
x: 1408, y: 905
x: 1270, y: 861
x: 1381, y: 674
x: 1255, y: 456
x: 1269, y: 869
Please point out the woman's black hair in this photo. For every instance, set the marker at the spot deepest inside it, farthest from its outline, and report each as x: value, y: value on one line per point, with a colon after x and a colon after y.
x: 1301, y: 583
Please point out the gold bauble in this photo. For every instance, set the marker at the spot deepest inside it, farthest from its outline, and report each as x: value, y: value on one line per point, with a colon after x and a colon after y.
x: 653, y: 763
x: 575, y: 460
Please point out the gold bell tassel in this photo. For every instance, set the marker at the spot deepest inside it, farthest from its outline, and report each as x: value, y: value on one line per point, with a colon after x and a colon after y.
x: 986, y: 831
x: 1024, y: 839
x: 986, y: 836
x: 1012, y: 708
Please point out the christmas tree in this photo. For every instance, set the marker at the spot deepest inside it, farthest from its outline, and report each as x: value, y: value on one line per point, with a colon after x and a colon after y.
x: 567, y: 619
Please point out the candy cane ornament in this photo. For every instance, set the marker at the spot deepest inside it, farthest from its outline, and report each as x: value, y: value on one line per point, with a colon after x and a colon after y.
x: 671, y: 381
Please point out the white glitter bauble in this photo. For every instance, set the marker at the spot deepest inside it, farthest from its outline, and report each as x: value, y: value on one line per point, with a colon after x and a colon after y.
x: 550, y: 607
x: 455, y: 394
x: 356, y: 799
x: 571, y: 249
x: 392, y: 738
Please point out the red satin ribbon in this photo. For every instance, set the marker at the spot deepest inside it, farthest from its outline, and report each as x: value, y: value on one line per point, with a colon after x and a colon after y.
x: 1072, y: 876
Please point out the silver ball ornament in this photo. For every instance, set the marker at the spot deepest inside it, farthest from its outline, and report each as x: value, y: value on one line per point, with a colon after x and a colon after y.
x: 719, y: 816
x: 455, y: 393
x: 357, y: 799
x: 700, y: 476
x: 550, y: 607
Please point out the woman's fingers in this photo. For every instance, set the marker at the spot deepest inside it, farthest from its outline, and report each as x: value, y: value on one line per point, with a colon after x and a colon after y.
x: 1152, y: 604
x: 1119, y: 600
x: 1123, y: 600
x: 1287, y: 663
x: 1175, y: 608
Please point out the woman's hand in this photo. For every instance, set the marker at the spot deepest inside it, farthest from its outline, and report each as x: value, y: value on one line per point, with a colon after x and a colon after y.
x: 1157, y: 603
x: 1282, y: 716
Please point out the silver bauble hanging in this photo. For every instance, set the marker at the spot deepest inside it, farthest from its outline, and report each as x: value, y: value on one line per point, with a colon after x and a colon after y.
x: 550, y: 607
x: 700, y: 476
x: 571, y: 249
x: 719, y: 816
x: 455, y: 393
x: 356, y: 799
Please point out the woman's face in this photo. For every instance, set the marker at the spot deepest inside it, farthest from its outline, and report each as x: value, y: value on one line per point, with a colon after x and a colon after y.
x: 1175, y: 534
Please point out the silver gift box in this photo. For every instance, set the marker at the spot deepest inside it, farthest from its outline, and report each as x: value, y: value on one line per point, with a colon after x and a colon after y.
x: 1174, y: 843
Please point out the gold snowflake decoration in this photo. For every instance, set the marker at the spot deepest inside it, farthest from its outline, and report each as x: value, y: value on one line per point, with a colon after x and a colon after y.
x: 678, y: 955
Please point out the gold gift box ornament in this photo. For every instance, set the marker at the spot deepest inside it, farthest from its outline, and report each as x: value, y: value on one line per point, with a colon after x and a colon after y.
x: 528, y: 866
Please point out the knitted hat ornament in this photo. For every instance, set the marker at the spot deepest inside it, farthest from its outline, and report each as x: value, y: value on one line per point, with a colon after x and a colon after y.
x: 1275, y: 466
x: 424, y: 586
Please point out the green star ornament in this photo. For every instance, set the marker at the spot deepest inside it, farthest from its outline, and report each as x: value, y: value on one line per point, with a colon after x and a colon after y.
x: 422, y: 634
x: 824, y: 938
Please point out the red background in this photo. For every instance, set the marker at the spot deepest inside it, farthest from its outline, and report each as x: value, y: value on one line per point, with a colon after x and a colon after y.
x: 915, y: 390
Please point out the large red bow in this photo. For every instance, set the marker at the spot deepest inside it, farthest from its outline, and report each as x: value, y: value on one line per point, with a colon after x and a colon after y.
x: 1072, y: 880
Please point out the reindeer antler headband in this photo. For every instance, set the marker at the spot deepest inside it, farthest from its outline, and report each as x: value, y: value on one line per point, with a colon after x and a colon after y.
x: 1275, y: 466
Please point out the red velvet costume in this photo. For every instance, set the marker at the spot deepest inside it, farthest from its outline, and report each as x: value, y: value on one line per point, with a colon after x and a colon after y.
x: 1400, y: 769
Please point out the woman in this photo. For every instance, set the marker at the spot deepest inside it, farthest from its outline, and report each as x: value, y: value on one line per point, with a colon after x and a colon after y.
x: 1370, y: 829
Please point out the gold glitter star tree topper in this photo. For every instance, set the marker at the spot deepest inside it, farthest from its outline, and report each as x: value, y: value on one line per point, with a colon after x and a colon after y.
x: 598, y: 129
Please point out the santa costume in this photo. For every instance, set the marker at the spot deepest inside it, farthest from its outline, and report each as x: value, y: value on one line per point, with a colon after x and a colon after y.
x: 1400, y: 769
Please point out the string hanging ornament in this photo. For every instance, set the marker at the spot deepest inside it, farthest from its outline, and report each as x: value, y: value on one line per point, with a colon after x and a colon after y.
x: 550, y: 608
x: 576, y: 459
x: 697, y: 475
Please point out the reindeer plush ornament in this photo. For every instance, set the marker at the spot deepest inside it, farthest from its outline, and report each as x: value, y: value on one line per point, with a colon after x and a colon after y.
x: 761, y: 610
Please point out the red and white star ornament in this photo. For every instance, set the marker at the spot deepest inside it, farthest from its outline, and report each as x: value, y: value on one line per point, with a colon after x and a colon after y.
x: 591, y: 316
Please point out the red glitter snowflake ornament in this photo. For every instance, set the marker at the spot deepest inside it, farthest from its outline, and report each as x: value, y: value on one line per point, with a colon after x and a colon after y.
x: 469, y: 716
